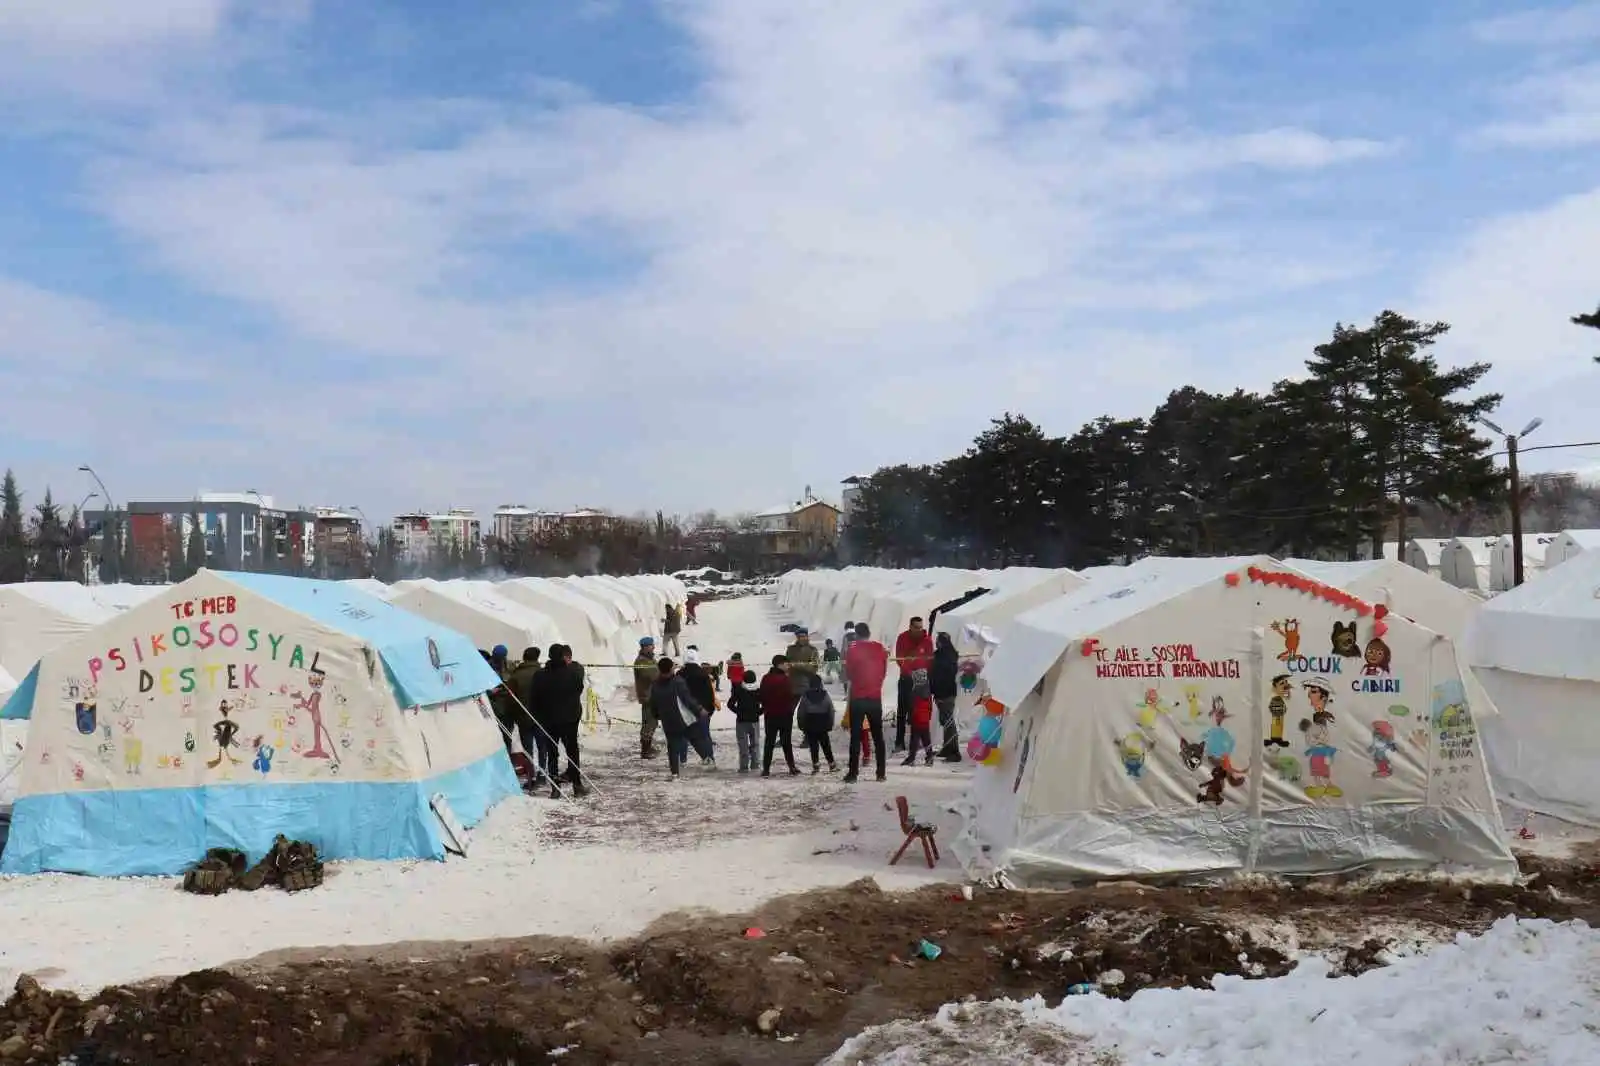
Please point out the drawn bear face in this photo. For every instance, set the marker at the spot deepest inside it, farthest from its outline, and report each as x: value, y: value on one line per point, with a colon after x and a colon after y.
x: 1345, y: 642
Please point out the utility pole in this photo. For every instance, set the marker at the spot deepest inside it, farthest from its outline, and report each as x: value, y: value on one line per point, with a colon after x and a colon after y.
x: 1512, y: 440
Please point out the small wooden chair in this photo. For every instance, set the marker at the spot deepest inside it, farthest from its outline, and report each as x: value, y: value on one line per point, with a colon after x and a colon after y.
x: 919, y: 831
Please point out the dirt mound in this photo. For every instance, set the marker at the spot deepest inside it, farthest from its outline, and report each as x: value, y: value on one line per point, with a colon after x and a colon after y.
x: 823, y: 966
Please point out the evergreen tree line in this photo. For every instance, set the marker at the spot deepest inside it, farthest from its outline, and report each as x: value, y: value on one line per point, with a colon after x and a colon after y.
x: 1375, y: 442
x: 45, y: 544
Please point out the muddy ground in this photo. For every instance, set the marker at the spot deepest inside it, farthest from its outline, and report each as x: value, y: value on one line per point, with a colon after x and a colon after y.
x: 699, y: 988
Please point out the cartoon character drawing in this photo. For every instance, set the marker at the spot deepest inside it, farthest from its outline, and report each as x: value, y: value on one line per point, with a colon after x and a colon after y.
x: 312, y: 705
x: 85, y: 712
x: 1211, y: 791
x: 132, y: 755
x: 77, y: 771
x: 1149, y: 710
x: 1219, y: 743
x: 226, y: 734
x: 1318, y: 730
x: 188, y: 742
x: 1278, y: 708
x: 1132, y: 747
x: 1286, y: 766
x: 1382, y: 748
x: 1289, y: 630
x: 1192, y: 752
x: 1191, y: 696
x: 1378, y: 658
x: 1345, y: 643
x: 264, y: 755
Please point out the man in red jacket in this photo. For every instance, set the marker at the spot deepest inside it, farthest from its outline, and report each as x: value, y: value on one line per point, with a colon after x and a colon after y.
x: 913, y: 651
x: 865, y: 666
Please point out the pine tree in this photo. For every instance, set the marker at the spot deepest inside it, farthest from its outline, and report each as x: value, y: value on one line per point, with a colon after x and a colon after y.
x: 1592, y: 321
x: 49, y: 542
x: 77, y: 538
x: 13, y: 534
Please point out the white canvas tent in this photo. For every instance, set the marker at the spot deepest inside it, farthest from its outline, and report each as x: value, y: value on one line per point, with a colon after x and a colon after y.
x: 1533, y: 649
x: 1184, y: 722
x: 13, y: 738
x: 1502, y: 568
x: 477, y: 613
x: 971, y: 626
x: 1569, y: 543
x: 238, y: 706
x: 595, y: 634
x: 371, y: 586
x: 1426, y: 554
x: 1466, y: 563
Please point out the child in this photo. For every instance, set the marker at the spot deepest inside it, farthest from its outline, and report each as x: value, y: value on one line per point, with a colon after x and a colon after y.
x: 735, y: 668
x: 921, y: 728
x: 831, y: 667
x: 745, y: 703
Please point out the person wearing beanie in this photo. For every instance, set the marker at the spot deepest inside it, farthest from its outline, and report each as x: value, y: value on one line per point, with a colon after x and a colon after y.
x: 694, y: 675
x: 644, y: 679
x: 520, y: 684
x: 815, y: 714
x: 682, y: 719
x: 803, y: 659
x: 500, y: 702
x: 558, y: 692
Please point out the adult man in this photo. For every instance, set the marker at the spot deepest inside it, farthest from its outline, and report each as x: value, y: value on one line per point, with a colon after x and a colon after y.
x: 803, y: 659
x: 671, y: 627
x: 644, y: 678
x: 865, y: 666
x: 682, y: 719
x: 913, y: 652
x: 558, y: 692
x: 519, y: 682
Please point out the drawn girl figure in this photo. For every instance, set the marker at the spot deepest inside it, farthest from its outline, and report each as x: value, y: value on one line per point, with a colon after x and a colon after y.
x: 1278, y: 708
x: 1219, y: 743
x: 1382, y: 748
x: 226, y: 733
x: 1377, y: 658
x: 312, y: 705
x: 1318, y: 731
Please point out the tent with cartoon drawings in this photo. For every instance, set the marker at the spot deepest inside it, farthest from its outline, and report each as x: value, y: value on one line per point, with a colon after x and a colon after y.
x: 233, y: 707
x: 1204, y: 717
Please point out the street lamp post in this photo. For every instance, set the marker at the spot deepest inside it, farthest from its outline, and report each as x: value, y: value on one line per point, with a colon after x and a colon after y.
x: 1512, y: 439
x: 116, y: 524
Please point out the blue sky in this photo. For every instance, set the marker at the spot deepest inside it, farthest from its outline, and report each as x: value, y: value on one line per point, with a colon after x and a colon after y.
x: 700, y: 254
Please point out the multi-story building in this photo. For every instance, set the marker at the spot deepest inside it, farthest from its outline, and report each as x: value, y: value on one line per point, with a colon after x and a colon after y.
x: 240, y: 531
x: 515, y: 522
x: 338, y: 548
x: 850, y: 497
x: 793, y: 536
x: 421, y: 534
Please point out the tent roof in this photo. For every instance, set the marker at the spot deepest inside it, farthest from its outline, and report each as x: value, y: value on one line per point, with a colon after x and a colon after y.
x: 1584, y: 538
x: 1031, y: 643
x: 63, y: 597
x: 1547, y: 628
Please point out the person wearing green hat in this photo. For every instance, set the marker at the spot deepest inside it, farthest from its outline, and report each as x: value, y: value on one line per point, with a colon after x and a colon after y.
x: 804, y: 661
x: 644, y: 679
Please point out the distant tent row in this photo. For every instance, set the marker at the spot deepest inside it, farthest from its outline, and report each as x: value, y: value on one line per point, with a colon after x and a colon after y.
x: 146, y: 724
x: 1485, y: 565
x: 1183, y: 717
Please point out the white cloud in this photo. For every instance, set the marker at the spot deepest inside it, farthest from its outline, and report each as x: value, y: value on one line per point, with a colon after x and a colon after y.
x: 1562, y: 108
x: 1546, y: 27
x: 865, y: 204
x: 97, y: 25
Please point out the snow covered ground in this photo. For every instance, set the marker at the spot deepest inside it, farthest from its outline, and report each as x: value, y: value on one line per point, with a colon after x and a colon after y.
x: 595, y: 868
x: 1525, y: 992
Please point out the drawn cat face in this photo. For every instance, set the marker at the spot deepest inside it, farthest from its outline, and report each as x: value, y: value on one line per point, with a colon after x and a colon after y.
x: 1345, y: 642
x: 1191, y: 754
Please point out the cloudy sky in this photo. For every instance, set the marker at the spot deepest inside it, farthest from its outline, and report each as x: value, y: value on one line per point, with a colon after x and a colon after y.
x: 702, y: 253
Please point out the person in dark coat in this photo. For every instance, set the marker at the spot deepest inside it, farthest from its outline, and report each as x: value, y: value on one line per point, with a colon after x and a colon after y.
x: 644, y: 679
x: 777, y: 707
x: 815, y: 712
x: 699, y: 681
x: 745, y: 703
x: 519, y: 683
x: 500, y: 702
x: 944, y: 683
x: 558, y: 693
x: 681, y: 718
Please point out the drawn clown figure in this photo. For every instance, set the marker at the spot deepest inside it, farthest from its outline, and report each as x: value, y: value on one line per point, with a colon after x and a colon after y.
x: 1318, y: 730
x: 312, y: 705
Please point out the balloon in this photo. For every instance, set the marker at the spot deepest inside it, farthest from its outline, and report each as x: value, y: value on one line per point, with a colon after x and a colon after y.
x: 991, y: 759
x: 993, y: 706
x: 989, y: 730
x: 977, y: 749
